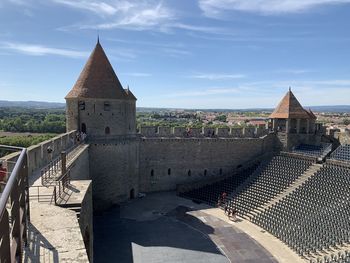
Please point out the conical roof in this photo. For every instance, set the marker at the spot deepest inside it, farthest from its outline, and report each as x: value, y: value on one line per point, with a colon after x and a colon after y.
x: 98, y: 79
x: 289, y: 108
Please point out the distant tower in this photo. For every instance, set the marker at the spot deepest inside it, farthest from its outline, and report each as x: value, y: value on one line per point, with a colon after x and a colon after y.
x: 293, y: 123
x: 97, y: 104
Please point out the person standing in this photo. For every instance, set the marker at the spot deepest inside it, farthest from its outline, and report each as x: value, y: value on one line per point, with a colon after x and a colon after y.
x: 3, y: 174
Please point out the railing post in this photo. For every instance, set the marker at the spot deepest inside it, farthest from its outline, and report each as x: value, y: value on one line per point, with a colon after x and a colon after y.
x: 5, y: 249
x: 63, y: 163
x: 15, y: 216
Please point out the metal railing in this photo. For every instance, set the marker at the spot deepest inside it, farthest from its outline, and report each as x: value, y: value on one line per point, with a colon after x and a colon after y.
x: 14, y: 210
x: 60, y: 189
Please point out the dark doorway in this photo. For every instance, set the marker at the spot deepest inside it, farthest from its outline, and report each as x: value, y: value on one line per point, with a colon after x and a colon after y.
x: 107, y: 130
x: 83, y: 127
x: 132, y: 193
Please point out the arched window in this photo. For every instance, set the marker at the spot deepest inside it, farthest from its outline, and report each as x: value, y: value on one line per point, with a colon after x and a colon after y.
x: 152, y: 173
x: 107, y: 130
x: 83, y: 127
x: 81, y: 105
x: 220, y: 171
x: 169, y: 171
x: 189, y: 173
x: 132, y: 193
x: 205, y: 172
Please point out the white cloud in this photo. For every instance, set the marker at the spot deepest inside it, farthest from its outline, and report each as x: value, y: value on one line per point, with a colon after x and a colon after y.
x: 98, y: 7
x: 145, y: 14
x: 39, y: 50
x: 218, y: 76
x: 214, y: 8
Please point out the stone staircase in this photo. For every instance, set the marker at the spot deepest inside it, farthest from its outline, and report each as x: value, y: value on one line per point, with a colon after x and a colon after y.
x: 302, y: 179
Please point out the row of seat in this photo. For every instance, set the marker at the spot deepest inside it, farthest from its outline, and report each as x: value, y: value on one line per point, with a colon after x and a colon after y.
x: 210, y: 193
x: 313, y: 150
x: 342, y: 153
x: 315, y: 217
x: 279, y: 174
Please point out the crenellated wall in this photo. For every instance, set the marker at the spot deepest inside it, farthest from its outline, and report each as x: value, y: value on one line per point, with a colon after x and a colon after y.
x: 247, y: 132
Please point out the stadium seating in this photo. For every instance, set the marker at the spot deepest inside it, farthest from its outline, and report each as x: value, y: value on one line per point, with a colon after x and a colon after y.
x: 280, y: 173
x: 315, y: 217
x: 210, y: 193
x: 342, y: 153
x: 313, y: 150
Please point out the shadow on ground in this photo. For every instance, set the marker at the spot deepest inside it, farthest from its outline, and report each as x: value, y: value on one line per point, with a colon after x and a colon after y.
x: 172, y: 237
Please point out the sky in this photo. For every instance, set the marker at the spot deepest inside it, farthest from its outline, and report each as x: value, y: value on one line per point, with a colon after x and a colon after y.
x: 226, y: 54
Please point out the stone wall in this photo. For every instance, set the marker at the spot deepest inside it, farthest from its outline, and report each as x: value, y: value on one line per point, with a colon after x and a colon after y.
x: 166, y: 162
x: 37, y: 154
x: 155, y: 131
x: 98, y: 115
x: 114, y: 171
x: 80, y: 167
x: 86, y: 221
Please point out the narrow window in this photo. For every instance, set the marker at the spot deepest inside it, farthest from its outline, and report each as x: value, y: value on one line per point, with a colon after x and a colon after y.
x: 152, y: 173
x: 169, y: 171
x: 107, y: 130
x: 107, y: 106
x: 81, y: 105
x: 205, y: 172
x: 83, y: 127
x: 220, y: 171
x: 189, y: 173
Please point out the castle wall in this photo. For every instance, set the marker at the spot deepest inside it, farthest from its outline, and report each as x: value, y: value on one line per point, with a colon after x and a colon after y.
x: 114, y: 171
x: 166, y: 162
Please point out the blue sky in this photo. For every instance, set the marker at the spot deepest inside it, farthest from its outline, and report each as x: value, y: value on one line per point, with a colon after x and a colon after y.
x: 181, y: 53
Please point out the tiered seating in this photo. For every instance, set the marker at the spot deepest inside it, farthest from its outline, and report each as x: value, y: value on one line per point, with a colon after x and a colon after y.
x: 342, y: 153
x: 313, y: 150
x: 210, y: 193
x: 280, y: 173
x: 315, y: 216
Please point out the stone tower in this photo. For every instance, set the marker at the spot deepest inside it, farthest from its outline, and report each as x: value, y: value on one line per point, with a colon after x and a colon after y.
x: 293, y: 123
x: 98, y: 105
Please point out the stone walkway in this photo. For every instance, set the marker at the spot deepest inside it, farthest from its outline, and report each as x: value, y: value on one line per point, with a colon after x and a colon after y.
x: 54, y: 232
x: 54, y: 236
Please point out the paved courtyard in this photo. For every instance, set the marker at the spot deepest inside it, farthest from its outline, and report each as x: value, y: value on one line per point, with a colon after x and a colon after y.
x: 165, y: 228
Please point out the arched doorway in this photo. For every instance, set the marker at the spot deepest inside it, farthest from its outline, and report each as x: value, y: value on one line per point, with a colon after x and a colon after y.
x: 107, y: 130
x: 132, y: 193
x: 83, y: 127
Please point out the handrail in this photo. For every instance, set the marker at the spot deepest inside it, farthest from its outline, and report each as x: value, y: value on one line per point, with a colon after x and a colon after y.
x: 13, y: 235
x: 12, y: 179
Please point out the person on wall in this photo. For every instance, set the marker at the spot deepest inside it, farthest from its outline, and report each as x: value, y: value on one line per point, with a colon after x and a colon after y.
x: 3, y: 173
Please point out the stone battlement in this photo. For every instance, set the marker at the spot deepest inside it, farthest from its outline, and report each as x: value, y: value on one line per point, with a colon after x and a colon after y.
x: 160, y: 131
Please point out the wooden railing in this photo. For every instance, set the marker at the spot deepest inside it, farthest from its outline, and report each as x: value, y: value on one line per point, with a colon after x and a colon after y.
x: 14, y: 210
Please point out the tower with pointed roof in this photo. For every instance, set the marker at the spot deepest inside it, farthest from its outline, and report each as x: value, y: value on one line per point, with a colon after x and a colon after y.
x: 98, y: 104
x: 292, y: 121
